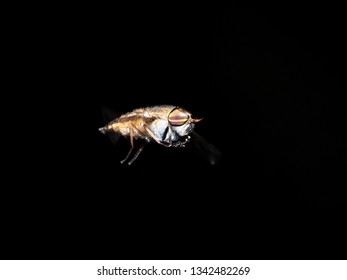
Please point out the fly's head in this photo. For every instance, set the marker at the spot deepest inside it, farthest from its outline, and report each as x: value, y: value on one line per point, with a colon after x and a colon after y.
x: 170, y: 125
x: 180, y: 125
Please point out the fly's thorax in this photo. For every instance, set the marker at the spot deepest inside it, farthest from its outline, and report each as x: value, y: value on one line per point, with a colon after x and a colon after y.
x: 160, y: 128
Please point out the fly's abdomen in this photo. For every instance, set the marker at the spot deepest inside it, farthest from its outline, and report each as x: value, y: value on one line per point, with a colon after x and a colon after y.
x: 126, y: 127
x: 112, y: 126
x: 103, y: 130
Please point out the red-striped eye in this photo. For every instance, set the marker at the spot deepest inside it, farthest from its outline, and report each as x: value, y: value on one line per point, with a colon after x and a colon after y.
x: 178, y: 117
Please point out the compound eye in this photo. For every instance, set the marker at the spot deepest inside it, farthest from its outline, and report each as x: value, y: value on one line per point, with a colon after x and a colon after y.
x: 178, y: 117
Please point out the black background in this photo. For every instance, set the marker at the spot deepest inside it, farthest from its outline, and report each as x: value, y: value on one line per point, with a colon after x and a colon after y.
x: 269, y: 82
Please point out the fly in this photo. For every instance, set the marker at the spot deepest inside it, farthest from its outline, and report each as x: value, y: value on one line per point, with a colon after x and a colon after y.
x: 168, y: 125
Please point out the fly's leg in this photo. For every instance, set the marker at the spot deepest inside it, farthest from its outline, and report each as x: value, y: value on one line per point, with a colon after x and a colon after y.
x: 131, y: 148
x: 137, y: 153
x: 132, y: 128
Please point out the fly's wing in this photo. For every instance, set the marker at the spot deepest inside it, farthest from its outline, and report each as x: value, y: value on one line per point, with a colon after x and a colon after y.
x: 108, y: 116
x: 209, y: 152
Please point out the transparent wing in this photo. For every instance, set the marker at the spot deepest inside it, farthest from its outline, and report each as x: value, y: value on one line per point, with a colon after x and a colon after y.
x: 209, y: 152
x: 109, y: 115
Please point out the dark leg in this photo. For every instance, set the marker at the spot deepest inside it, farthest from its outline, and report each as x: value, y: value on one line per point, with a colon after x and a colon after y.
x: 137, y: 153
x: 132, y: 147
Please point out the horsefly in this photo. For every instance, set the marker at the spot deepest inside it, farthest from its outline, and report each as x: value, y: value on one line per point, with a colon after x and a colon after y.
x: 168, y: 125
